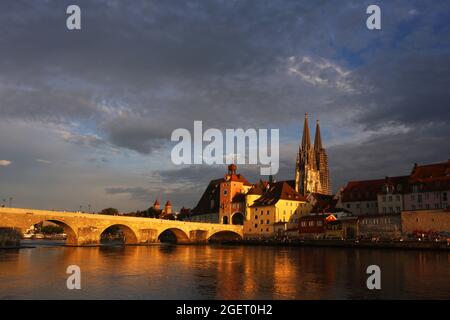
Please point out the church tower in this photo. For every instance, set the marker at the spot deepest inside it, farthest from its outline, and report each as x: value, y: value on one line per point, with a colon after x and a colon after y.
x: 322, y: 162
x: 311, y: 171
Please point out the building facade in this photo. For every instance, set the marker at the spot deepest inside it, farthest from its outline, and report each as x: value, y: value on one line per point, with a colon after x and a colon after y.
x: 380, y: 226
x: 428, y: 187
x: 429, y: 223
x: 274, y: 213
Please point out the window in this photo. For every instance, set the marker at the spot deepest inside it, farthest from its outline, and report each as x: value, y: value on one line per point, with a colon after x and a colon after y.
x: 225, y: 192
x: 268, y: 212
x: 256, y: 225
x: 444, y: 196
x: 267, y: 221
x: 390, y: 198
x: 384, y: 198
x: 348, y: 205
x: 311, y: 223
x: 256, y: 217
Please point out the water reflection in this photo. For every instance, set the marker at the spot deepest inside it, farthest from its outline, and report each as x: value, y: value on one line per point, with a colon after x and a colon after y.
x: 221, y: 272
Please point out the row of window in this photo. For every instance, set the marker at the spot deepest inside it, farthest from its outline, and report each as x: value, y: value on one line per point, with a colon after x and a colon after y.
x: 437, y: 196
x: 376, y: 221
x: 391, y: 209
x: 312, y: 223
x: 368, y: 205
x: 262, y: 230
x: 427, y: 206
x: 390, y: 198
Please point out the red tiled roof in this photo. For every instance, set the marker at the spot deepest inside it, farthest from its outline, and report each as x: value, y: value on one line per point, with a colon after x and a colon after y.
x: 362, y: 190
x: 398, y: 184
x: 431, y: 177
x: 210, y: 196
x: 259, y: 188
x: 278, y: 191
x: 238, y: 197
x: 430, y: 171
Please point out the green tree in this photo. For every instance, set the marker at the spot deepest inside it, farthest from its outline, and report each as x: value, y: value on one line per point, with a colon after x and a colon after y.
x: 52, y: 229
x: 110, y: 211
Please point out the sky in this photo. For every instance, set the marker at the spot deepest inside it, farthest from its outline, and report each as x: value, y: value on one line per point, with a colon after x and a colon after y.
x: 86, y: 115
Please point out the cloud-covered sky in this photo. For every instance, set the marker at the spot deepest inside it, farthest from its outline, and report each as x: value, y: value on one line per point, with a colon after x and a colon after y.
x: 86, y: 116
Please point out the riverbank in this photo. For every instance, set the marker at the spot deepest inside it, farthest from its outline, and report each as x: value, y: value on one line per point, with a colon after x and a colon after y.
x: 407, y: 245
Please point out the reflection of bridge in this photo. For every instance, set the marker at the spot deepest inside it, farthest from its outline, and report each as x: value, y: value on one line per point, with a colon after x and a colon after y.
x: 86, y: 229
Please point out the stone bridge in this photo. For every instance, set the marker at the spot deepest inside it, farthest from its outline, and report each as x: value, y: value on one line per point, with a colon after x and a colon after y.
x: 86, y: 229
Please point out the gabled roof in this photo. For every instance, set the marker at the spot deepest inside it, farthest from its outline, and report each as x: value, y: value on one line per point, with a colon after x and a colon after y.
x: 430, y: 171
x: 238, y: 197
x: 212, y: 192
x: 366, y: 190
x: 278, y: 191
x: 431, y: 177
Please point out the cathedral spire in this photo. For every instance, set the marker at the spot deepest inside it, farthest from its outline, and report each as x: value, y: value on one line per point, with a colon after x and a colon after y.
x: 317, y: 139
x: 306, y: 140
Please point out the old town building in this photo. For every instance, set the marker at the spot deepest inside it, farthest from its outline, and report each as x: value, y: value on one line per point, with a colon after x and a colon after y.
x: 428, y: 187
x: 380, y: 226
x: 275, y: 211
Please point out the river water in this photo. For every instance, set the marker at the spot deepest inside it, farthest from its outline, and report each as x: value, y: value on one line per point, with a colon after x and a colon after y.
x: 163, y: 271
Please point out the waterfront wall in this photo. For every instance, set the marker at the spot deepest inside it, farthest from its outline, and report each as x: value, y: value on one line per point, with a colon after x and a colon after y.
x: 9, y: 237
x: 437, y: 221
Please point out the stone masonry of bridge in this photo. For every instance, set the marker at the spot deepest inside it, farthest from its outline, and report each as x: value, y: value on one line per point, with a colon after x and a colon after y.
x: 86, y: 229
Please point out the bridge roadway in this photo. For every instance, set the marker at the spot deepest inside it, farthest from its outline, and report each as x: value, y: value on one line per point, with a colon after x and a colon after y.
x: 86, y: 229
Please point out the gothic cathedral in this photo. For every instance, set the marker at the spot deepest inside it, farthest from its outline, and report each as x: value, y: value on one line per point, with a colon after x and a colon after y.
x: 311, y: 171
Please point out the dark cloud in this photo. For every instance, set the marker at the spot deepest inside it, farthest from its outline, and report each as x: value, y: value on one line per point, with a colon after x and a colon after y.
x: 136, y: 72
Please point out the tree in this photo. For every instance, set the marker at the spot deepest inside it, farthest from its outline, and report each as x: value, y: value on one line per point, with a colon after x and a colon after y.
x: 110, y: 211
x: 52, y: 229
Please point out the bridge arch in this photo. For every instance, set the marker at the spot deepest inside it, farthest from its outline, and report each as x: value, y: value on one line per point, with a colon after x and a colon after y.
x: 71, y: 235
x: 173, y: 235
x: 237, y: 218
x: 224, y: 235
x: 126, y: 233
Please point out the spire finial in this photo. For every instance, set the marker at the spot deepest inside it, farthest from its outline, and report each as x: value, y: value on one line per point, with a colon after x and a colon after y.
x: 317, y: 138
x: 306, y: 141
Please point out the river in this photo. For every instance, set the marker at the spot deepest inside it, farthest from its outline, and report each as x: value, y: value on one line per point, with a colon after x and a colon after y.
x: 164, y: 271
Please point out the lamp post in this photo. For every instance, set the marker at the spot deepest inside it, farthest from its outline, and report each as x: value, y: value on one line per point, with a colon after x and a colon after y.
x: 10, y: 201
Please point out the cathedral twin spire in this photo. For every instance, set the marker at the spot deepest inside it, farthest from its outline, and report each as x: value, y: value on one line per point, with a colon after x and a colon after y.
x: 312, y: 174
